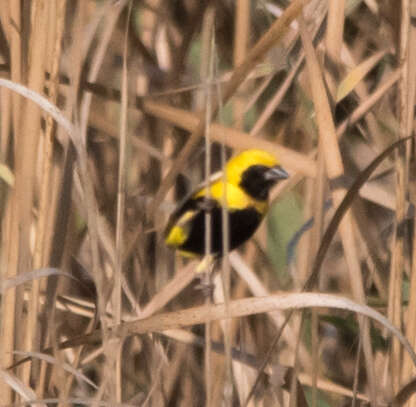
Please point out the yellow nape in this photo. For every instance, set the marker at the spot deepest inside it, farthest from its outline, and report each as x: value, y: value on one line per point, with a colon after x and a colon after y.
x: 241, y: 162
x: 176, y: 237
x: 234, y: 197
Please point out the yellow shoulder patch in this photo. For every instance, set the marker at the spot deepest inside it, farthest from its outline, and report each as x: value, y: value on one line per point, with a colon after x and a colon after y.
x: 234, y: 196
x: 179, y: 233
x: 176, y: 236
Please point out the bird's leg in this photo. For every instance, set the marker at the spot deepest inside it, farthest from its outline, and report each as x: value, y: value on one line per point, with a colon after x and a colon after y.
x: 204, y: 269
x: 206, y: 264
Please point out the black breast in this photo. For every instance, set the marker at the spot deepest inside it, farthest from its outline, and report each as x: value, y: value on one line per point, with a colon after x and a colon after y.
x: 242, y: 225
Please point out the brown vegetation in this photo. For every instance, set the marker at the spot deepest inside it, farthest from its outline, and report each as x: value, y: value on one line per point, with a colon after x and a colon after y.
x: 111, y: 110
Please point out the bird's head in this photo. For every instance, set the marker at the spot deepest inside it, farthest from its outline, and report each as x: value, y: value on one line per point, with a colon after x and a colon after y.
x: 255, y: 171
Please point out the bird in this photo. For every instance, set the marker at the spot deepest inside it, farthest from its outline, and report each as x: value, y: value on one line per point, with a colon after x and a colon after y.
x: 242, y: 191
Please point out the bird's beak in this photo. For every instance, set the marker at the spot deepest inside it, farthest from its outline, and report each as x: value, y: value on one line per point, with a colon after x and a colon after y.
x: 275, y: 173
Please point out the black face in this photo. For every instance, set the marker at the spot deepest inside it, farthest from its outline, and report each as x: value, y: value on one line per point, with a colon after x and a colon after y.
x: 258, y: 179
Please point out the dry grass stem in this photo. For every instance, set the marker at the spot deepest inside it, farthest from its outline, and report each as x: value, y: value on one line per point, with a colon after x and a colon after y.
x: 111, y: 112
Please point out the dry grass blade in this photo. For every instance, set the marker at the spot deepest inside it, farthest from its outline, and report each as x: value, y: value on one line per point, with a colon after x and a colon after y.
x: 43, y: 103
x: 348, y: 84
x: 56, y: 22
x: 120, y: 216
x: 19, y: 387
x: 402, y: 163
x: 335, y: 170
x: 32, y: 275
x: 407, y: 371
x: 334, y: 36
x: 240, y: 308
x: 55, y: 361
x: 370, y: 102
x: 11, y: 244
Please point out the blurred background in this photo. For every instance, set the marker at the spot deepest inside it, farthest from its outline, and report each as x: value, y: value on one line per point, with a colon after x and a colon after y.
x: 86, y: 190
